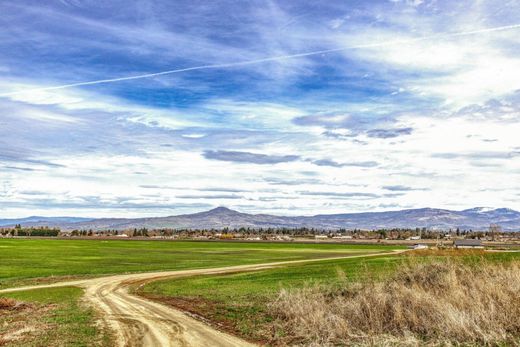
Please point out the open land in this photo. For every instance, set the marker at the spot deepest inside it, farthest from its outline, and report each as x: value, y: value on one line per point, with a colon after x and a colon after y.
x: 25, y: 261
x: 145, y: 293
x: 241, y: 303
x: 31, y: 261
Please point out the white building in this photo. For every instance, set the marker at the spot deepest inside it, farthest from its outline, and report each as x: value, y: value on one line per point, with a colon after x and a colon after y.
x: 471, y: 243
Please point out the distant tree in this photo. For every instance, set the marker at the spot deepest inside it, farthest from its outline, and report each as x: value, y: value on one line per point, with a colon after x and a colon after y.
x: 494, y: 229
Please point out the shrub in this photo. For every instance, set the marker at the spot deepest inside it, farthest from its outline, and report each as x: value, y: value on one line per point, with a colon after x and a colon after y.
x: 448, y: 302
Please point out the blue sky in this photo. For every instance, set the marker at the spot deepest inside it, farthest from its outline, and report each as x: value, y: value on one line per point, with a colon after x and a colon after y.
x: 409, y: 104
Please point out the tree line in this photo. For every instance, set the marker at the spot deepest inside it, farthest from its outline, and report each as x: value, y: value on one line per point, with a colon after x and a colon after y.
x: 18, y: 230
x: 390, y: 233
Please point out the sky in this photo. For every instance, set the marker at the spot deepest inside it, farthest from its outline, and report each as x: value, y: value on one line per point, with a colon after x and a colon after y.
x: 154, y: 108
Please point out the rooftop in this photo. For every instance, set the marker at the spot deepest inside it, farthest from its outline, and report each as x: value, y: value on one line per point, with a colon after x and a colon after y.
x: 470, y: 242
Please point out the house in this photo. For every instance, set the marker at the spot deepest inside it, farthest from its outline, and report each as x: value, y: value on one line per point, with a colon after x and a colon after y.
x: 471, y: 243
x: 342, y: 237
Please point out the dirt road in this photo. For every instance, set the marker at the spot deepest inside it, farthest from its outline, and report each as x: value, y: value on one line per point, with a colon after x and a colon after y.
x: 140, y: 322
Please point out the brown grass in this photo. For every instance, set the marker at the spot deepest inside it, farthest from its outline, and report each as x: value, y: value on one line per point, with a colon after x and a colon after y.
x: 14, y: 318
x: 445, y: 252
x: 9, y: 304
x: 441, y: 303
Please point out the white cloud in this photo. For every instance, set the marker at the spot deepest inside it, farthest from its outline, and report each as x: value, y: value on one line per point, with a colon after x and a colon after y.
x: 459, y: 70
x: 112, y: 151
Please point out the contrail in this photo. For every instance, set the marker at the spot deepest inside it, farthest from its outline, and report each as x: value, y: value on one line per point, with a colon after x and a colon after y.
x: 267, y: 59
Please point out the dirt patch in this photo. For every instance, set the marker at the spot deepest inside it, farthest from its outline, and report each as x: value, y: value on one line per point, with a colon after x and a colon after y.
x: 36, y: 281
x: 211, y: 313
x: 14, y: 316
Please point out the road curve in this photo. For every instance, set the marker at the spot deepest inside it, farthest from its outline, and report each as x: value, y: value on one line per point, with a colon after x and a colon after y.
x: 140, y: 322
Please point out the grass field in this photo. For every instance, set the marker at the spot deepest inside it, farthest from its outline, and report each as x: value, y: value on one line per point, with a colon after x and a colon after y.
x: 25, y: 261
x: 239, y: 302
x: 50, y: 317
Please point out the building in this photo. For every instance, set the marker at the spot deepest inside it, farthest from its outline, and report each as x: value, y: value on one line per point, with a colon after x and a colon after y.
x: 472, y: 243
x: 342, y: 237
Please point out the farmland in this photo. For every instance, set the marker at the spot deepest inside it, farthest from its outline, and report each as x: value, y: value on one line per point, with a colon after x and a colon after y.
x: 249, y: 291
x: 28, y: 261
x: 240, y: 302
x: 54, y: 312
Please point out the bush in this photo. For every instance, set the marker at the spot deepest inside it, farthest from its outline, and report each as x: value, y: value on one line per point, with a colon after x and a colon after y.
x: 439, y: 303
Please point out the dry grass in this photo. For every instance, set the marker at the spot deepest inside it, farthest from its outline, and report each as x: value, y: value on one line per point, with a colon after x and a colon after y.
x: 14, y: 316
x: 445, y: 252
x: 8, y: 304
x: 440, y: 303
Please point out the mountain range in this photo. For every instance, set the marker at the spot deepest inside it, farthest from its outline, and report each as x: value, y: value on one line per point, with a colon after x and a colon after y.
x: 38, y: 220
x: 478, y: 218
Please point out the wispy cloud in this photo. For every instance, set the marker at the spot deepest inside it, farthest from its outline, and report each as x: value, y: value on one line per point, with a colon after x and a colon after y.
x: 342, y: 195
x: 389, y: 133
x: 247, y: 157
x: 211, y: 197
x: 270, y: 59
x: 401, y: 188
x: 328, y: 162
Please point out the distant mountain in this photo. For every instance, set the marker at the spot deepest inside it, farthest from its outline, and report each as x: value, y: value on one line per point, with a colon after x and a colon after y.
x: 45, y: 220
x: 476, y: 219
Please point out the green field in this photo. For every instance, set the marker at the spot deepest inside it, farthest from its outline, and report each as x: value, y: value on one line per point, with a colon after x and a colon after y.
x: 26, y: 261
x: 58, y: 315
x: 238, y: 301
x: 52, y: 317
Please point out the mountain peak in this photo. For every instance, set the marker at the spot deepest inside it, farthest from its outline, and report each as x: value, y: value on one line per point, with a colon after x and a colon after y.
x: 479, y: 209
x: 491, y: 210
x: 222, y: 209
